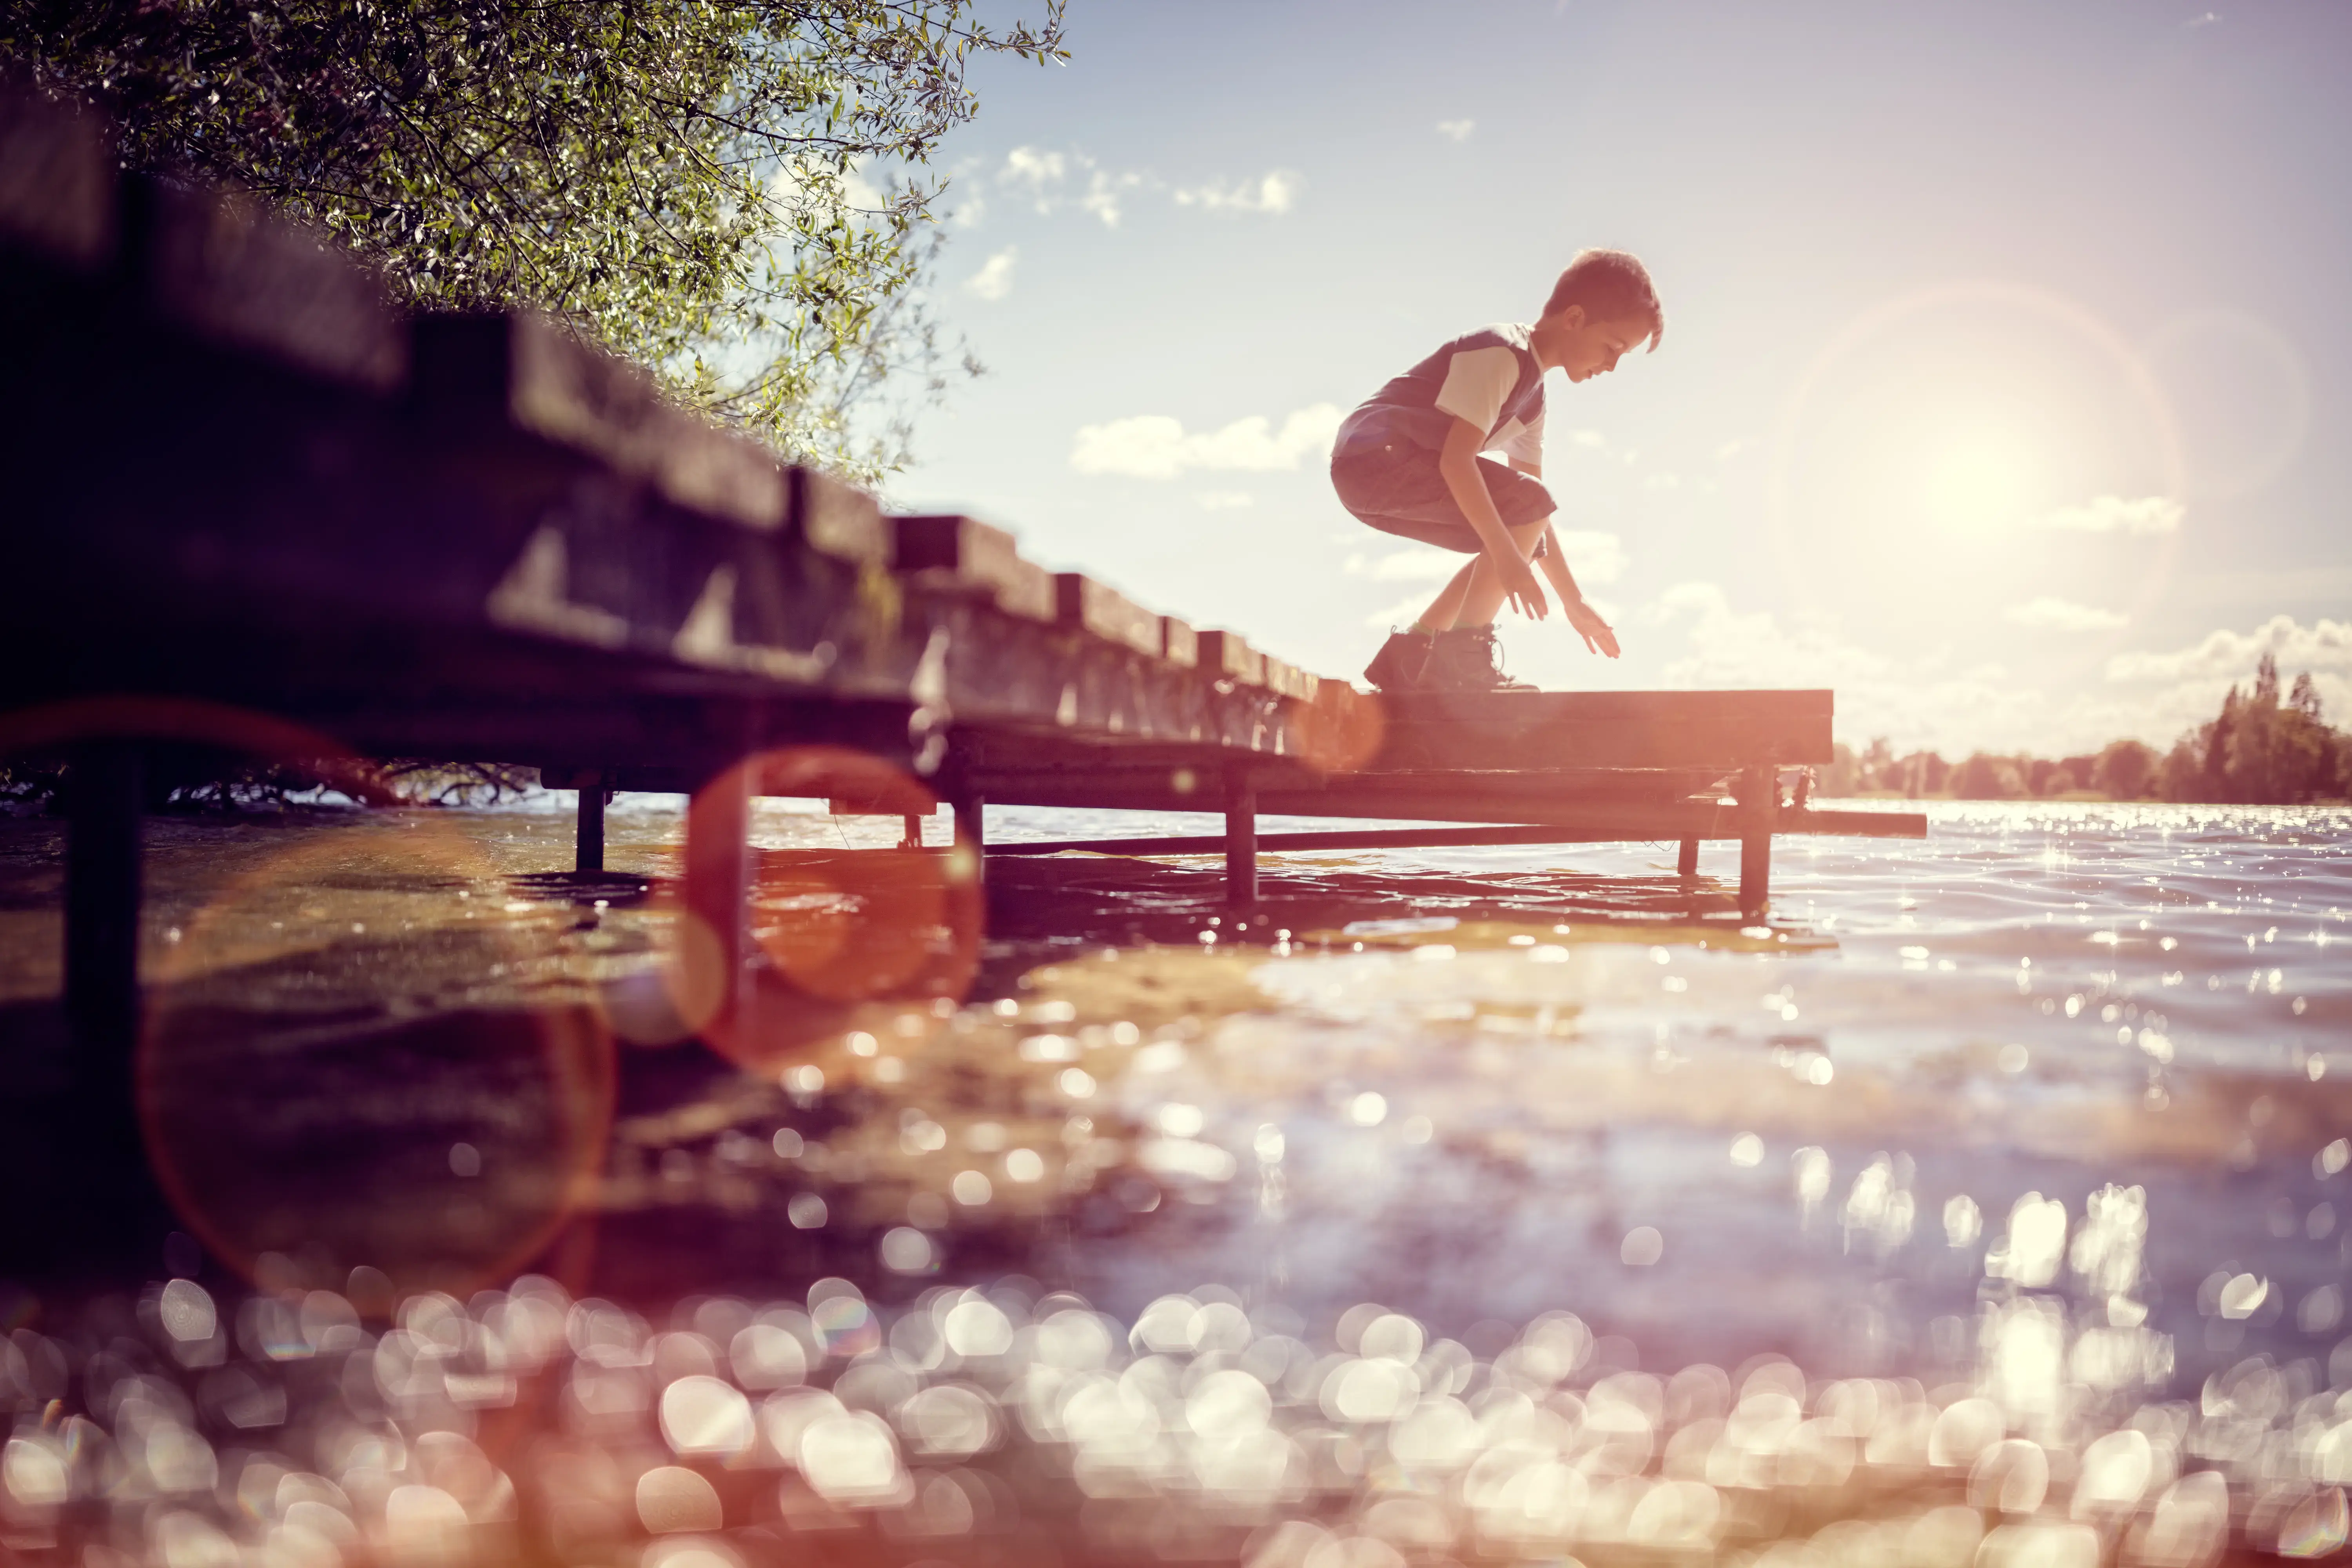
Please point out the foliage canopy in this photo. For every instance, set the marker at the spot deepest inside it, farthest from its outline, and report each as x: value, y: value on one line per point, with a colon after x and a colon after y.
x: 679, y: 178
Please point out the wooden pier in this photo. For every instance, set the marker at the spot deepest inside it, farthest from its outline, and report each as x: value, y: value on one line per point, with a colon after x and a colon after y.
x: 240, y: 484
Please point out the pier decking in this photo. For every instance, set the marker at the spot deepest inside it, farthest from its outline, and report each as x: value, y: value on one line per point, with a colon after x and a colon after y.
x: 242, y: 486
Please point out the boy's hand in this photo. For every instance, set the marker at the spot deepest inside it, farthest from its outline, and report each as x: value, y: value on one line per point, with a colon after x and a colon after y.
x: 1519, y: 583
x: 1590, y: 626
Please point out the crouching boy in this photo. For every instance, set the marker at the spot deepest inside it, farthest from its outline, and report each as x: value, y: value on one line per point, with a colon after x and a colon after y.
x: 1409, y: 462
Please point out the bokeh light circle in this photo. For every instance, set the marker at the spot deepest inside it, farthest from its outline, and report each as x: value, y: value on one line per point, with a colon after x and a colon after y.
x: 780, y: 947
x: 332, y: 1025
x: 278, y: 1123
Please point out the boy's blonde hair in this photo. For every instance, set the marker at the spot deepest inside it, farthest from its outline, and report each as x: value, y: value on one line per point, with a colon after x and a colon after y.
x: 1612, y: 286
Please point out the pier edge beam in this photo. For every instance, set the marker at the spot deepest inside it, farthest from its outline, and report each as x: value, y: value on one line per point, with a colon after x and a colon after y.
x: 1241, y: 838
x: 1686, y: 859
x: 1760, y: 791
x: 588, y: 845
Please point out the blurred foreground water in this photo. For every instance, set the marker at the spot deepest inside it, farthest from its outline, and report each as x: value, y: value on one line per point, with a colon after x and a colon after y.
x: 1511, y: 1204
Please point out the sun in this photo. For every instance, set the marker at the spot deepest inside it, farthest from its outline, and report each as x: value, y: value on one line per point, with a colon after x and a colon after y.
x: 1980, y: 479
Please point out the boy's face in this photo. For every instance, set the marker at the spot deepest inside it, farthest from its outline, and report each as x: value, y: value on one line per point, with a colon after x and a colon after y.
x: 1589, y: 348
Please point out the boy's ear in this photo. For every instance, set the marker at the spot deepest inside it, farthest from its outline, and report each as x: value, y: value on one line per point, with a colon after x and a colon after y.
x: 1570, y: 319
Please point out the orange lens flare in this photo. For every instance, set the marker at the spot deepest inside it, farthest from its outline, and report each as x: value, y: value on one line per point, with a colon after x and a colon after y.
x: 328, y: 1068
x: 1341, y: 729
x: 334, y: 1066
x: 779, y: 950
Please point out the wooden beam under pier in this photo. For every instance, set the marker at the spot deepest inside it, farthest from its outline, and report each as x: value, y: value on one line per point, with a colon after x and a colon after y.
x: 1619, y: 831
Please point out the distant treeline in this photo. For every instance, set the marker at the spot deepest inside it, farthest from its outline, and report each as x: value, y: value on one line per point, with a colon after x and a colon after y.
x: 2262, y: 749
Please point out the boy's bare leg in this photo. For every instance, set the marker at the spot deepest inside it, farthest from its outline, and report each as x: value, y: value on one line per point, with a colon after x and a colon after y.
x: 1444, y: 609
x: 1481, y: 596
x: 1474, y: 594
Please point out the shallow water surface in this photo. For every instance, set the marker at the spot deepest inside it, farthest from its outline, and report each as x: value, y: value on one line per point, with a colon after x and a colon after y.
x: 1982, y: 1206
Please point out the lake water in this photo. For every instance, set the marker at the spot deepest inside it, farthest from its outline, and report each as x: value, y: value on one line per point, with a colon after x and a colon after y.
x: 1987, y: 1206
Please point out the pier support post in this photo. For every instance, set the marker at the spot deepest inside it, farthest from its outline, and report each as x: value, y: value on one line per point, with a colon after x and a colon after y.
x: 970, y: 841
x: 102, y: 896
x: 588, y: 852
x: 1686, y: 862
x: 715, y: 939
x: 109, y: 1193
x: 1760, y: 792
x: 1241, y: 838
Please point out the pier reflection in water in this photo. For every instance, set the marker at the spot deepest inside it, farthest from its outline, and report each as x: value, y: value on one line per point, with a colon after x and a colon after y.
x: 1981, y: 1209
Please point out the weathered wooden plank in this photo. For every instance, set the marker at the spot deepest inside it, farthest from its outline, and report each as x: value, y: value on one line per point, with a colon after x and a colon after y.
x: 227, y: 268
x: 1088, y: 605
x: 1285, y: 679
x: 57, y: 181
x: 969, y: 553
x: 1606, y: 729
x: 1229, y: 655
x: 1180, y: 645
x: 1546, y: 707
x: 536, y: 376
x: 837, y: 520
x: 1165, y: 778
x: 1606, y: 744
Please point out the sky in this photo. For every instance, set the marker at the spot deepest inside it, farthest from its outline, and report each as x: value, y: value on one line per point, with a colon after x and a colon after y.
x: 2006, y: 344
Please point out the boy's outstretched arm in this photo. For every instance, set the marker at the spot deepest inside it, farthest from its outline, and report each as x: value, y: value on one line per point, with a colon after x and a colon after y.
x: 1596, y: 632
x: 1457, y: 463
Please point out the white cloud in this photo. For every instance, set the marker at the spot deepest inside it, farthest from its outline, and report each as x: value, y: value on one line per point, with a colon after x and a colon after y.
x: 1224, y: 500
x: 2114, y: 514
x: 1732, y: 449
x: 1590, y: 440
x: 1052, y: 180
x: 860, y: 192
x: 1272, y: 193
x: 1926, y: 698
x: 1663, y: 482
x: 1456, y: 130
x: 994, y: 280
x: 1404, y: 612
x: 2226, y: 654
x: 970, y: 209
x: 1422, y: 564
x: 1594, y: 556
x: 1039, y: 173
x: 1155, y: 446
x: 2164, y: 695
x: 1913, y: 703
x: 2047, y: 613
x: 1103, y: 191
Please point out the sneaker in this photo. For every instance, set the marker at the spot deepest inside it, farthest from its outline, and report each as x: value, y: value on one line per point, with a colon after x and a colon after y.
x: 1467, y: 659
x: 1401, y: 662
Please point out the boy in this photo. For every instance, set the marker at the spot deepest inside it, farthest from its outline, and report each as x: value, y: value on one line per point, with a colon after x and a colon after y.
x: 1408, y: 462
